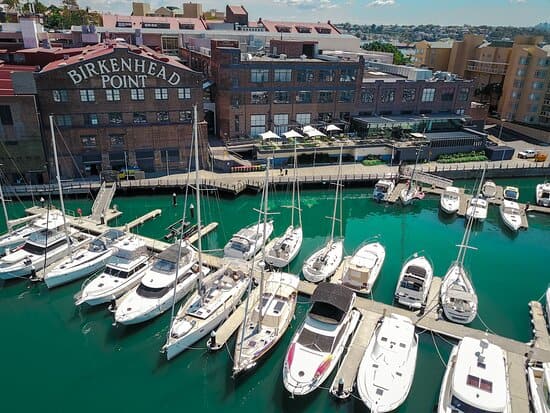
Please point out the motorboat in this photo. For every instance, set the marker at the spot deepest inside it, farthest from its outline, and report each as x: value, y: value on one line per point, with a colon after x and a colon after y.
x: 414, y: 282
x: 122, y: 273
x: 510, y: 213
x: 382, y: 190
x: 85, y: 261
x: 218, y: 295
x: 410, y: 193
x: 489, y: 189
x: 248, y: 241
x: 450, y: 200
x: 169, y: 278
x: 543, y: 194
x: 268, y: 321
x: 52, y: 220
x: 387, y: 369
x: 476, y: 379
x: 538, y: 377
x: 511, y: 193
x: 324, y: 262
x: 362, y: 270
x: 40, y: 250
x: 477, y: 208
x: 317, y: 346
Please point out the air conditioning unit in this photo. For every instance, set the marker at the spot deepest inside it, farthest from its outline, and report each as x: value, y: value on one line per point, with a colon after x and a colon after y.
x: 282, y: 56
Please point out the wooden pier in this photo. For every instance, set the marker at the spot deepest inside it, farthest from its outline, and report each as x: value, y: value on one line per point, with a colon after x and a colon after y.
x: 541, y: 337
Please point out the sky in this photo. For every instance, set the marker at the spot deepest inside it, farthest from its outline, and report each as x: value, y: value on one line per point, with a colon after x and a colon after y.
x: 442, y: 12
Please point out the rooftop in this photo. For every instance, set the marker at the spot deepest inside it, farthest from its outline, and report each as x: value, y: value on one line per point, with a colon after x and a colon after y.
x: 299, y: 27
x: 111, y: 21
x: 237, y: 10
x: 6, y: 84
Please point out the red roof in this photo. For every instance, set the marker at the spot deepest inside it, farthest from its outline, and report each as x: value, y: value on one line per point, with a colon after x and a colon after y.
x: 238, y: 10
x: 110, y: 21
x: 299, y: 27
x: 6, y: 84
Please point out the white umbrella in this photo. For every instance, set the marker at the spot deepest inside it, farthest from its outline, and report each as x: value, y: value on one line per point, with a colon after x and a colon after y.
x: 292, y: 134
x: 269, y: 135
x: 332, y: 128
x: 310, y: 131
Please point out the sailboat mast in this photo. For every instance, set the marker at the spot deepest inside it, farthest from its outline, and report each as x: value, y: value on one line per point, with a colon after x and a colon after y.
x: 5, y: 209
x: 336, y: 195
x: 293, y: 187
x: 59, y: 187
x: 266, y: 197
x: 197, y: 188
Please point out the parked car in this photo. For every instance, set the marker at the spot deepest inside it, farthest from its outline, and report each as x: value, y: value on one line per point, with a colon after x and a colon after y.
x: 527, y: 153
x: 541, y: 157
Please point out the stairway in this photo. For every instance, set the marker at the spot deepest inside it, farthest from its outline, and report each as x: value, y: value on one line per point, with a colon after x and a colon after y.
x: 102, y: 201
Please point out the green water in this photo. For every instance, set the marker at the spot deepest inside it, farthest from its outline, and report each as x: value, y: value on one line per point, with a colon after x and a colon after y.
x: 59, y: 358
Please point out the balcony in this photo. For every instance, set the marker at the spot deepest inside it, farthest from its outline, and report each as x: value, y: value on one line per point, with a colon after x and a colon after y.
x: 492, y: 68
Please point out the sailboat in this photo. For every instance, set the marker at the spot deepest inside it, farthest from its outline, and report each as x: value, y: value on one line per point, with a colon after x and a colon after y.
x: 216, y: 297
x: 412, y: 191
x: 478, y: 206
x: 281, y: 251
x: 269, y: 313
x: 323, y: 263
x: 457, y: 294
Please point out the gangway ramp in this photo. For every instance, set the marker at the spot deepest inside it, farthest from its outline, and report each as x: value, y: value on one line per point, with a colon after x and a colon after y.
x: 102, y: 201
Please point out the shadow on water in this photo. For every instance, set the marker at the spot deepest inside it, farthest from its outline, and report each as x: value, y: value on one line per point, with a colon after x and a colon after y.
x: 445, y: 218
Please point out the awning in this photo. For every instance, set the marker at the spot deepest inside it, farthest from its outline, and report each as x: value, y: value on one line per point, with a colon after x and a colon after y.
x: 269, y: 135
x: 310, y: 131
x: 332, y: 128
x: 292, y: 134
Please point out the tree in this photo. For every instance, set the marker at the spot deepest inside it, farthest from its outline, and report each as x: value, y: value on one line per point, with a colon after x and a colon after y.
x: 13, y: 4
x: 398, y: 57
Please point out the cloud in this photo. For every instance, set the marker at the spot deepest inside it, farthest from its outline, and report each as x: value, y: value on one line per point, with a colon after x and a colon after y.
x: 380, y: 3
x: 308, y: 4
x: 518, y: 1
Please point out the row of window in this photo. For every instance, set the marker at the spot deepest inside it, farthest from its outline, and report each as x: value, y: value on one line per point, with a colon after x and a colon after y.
x: 543, y: 61
x: 116, y: 118
x: 113, y: 95
x: 304, y: 75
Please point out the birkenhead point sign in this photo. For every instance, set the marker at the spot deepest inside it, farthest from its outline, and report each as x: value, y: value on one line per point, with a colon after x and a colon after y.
x: 136, y: 72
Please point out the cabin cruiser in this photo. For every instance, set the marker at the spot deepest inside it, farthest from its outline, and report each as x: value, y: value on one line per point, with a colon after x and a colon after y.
x: 538, y: 376
x: 510, y: 214
x: 122, y: 273
x: 155, y: 293
x: 489, y: 189
x: 511, y: 193
x: 387, y: 369
x: 477, y: 209
x: 414, y: 282
x: 248, y: 241
x: 324, y: 262
x: 284, y: 249
x: 41, y: 249
x: 383, y: 189
x: 450, y: 200
x: 362, y: 270
x: 84, y: 261
x: 543, y: 194
x: 476, y: 379
x: 261, y: 331
x: 317, y: 346
x: 458, y: 297
x: 52, y: 220
x: 218, y: 295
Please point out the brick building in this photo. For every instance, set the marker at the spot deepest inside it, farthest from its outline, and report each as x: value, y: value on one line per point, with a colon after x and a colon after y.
x: 116, y: 104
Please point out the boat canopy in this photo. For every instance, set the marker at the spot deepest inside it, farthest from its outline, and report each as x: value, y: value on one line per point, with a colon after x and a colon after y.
x: 331, y: 302
x: 170, y: 254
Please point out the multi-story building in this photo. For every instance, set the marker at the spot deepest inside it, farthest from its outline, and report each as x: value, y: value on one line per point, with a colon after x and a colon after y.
x: 192, y: 10
x: 433, y: 55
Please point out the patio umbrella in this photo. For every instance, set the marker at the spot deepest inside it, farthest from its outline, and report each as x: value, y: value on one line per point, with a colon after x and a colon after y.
x: 269, y: 135
x: 311, y: 132
x: 292, y: 134
x: 333, y: 128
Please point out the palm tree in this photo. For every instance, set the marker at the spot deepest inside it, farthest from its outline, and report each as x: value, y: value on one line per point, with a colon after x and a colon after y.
x: 13, y: 4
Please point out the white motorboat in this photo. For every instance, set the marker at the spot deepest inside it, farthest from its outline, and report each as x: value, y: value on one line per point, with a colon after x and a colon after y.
x: 450, y: 200
x: 387, y: 369
x: 511, y: 193
x: 317, y: 346
x: 261, y: 331
x: 122, y: 273
x: 477, y: 208
x: 383, y: 189
x: 323, y: 263
x: 489, y: 189
x: 538, y: 376
x: 85, y: 261
x: 543, y: 194
x: 476, y: 379
x: 248, y: 241
x: 362, y: 270
x: 510, y: 214
x: 158, y: 287
x: 414, y: 282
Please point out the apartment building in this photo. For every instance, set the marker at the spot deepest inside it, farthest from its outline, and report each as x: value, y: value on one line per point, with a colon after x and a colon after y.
x: 433, y: 55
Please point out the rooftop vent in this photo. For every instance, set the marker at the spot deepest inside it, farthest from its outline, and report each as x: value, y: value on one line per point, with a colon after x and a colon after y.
x: 282, y: 56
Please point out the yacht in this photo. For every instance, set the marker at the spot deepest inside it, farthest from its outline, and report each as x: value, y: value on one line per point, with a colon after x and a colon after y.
x: 85, y: 261
x: 477, y: 208
x: 414, y: 282
x: 317, y: 346
x: 262, y: 329
x: 476, y: 379
x: 511, y: 193
x: 122, y: 273
x: 158, y: 287
x: 383, y: 189
x: 543, y: 194
x: 248, y: 241
x: 489, y: 189
x: 41, y: 249
x: 52, y: 220
x: 510, y: 214
x: 450, y: 200
x: 362, y: 270
x: 538, y: 376
x: 387, y: 369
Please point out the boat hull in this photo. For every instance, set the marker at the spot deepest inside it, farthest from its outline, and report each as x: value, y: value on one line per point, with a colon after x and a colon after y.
x: 335, y: 258
x: 280, y: 262
x: 81, y: 271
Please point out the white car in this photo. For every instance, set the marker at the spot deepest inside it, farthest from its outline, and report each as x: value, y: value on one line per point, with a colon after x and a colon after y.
x: 527, y: 153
